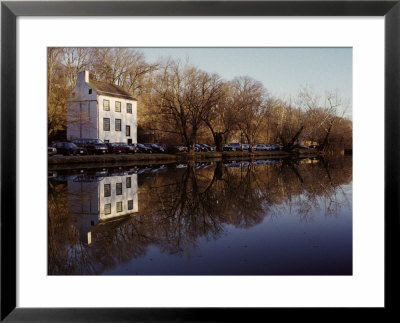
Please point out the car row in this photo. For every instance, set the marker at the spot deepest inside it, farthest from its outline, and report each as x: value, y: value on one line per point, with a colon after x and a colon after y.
x: 97, y: 146
x: 93, y: 146
x: 66, y: 148
x: 237, y: 146
x: 263, y: 147
x: 120, y: 148
x: 203, y: 147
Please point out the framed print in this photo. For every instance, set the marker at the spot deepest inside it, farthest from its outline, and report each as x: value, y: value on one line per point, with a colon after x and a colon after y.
x: 201, y: 158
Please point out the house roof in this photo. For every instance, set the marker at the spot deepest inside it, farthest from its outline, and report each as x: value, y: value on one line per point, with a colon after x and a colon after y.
x: 110, y: 90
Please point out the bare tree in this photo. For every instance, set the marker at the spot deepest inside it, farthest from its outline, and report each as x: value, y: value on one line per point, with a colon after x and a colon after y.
x: 186, y: 104
x: 185, y: 95
x: 321, y: 115
x: 125, y: 67
x: 250, y: 100
x: 223, y: 117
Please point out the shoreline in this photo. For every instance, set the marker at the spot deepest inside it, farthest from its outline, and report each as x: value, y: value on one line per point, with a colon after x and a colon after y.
x: 142, y: 159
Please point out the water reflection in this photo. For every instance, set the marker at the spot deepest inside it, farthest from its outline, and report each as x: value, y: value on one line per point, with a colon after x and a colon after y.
x: 110, y: 220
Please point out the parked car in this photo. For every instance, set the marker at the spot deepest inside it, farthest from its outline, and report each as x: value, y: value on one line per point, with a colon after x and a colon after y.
x: 51, y: 151
x: 298, y: 146
x: 158, y: 148
x: 200, y: 147
x: 162, y: 146
x: 93, y: 146
x: 69, y: 148
x: 265, y: 162
x: 133, y: 147
x: 233, y: 146
x: 120, y: 148
x: 246, y: 147
x: 141, y: 148
x: 114, y: 148
x: 207, y: 147
x: 261, y: 147
x: 276, y: 147
x: 150, y: 146
x: 130, y: 148
x: 144, y: 169
x: 232, y: 163
x: 270, y: 147
x: 179, y: 149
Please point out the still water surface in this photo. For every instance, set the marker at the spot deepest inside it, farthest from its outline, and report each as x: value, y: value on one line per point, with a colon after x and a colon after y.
x: 265, y: 217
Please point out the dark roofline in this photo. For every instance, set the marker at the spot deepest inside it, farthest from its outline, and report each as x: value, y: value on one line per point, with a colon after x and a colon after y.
x: 117, y: 95
x: 92, y: 83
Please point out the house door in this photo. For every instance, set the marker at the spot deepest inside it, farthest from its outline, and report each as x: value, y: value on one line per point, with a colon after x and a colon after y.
x: 129, y: 141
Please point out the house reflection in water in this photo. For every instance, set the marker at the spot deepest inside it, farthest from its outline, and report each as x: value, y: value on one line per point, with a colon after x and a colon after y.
x: 95, y: 201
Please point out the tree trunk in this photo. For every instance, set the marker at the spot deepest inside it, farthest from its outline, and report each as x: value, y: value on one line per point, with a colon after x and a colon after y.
x: 218, y: 141
x: 190, y: 148
x: 324, y: 143
x: 290, y: 145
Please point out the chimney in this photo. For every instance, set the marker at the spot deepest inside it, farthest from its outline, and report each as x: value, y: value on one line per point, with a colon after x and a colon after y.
x: 83, y: 77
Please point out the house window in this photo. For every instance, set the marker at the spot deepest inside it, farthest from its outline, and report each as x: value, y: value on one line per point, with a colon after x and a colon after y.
x: 107, y: 209
x: 128, y: 182
x: 129, y: 108
x: 130, y: 204
x: 107, y: 190
x: 128, y: 131
x: 90, y: 91
x: 106, y: 105
x: 106, y: 124
x: 117, y: 124
x: 117, y: 106
x: 119, y: 189
x: 119, y: 206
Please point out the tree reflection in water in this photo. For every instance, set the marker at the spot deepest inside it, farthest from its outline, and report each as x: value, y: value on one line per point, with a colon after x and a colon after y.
x: 180, y: 204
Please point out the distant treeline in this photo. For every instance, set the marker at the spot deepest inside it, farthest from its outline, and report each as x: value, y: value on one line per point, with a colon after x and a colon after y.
x: 179, y: 103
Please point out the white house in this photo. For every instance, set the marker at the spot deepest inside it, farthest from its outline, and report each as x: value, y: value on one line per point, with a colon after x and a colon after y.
x: 95, y: 201
x: 99, y: 110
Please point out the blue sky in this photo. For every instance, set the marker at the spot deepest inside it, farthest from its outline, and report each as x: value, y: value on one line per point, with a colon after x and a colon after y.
x: 283, y: 71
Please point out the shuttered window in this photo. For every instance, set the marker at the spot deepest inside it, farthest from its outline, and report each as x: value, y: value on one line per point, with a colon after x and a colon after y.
x: 106, y: 105
x: 117, y: 124
x: 128, y: 182
x: 130, y: 204
x: 119, y: 189
x: 129, y: 108
x: 128, y: 131
x: 119, y: 206
x: 107, y: 190
x: 106, y: 124
x: 117, y: 106
x: 107, y: 209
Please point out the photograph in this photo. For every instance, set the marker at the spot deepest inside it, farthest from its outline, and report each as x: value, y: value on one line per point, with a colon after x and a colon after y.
x: 201, y: 162
x: 233, y: 161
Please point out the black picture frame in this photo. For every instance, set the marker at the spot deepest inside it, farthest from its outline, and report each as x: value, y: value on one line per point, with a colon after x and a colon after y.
x: 10, y: 10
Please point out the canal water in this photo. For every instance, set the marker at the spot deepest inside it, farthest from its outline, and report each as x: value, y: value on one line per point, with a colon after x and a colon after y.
x: 262, y: 217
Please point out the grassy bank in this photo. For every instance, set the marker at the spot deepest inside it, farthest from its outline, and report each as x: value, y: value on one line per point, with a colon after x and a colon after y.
x: 109, y: 159
x: 137, y: 159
